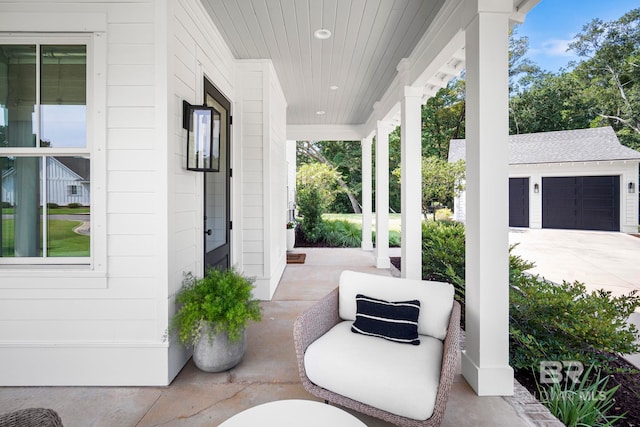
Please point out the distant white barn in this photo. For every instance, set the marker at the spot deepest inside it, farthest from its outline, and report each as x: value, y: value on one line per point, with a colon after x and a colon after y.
x: 67, y: 182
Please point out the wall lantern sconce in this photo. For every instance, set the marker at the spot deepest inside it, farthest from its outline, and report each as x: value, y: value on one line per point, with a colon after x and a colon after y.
x: 631, y: 187
x: 536, y: 188
x: 203, y: 137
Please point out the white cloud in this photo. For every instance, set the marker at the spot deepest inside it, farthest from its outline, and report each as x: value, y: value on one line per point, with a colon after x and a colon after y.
x: 553, y: 47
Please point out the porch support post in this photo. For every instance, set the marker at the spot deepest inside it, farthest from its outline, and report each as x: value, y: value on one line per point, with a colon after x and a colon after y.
x: 411, y: 182
x: 367, y: 243
x: 485, y: 362
x: 382, y: 195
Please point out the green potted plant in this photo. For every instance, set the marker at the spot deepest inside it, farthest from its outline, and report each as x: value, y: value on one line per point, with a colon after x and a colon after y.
x: 213, y: 316
x: 291, y: 235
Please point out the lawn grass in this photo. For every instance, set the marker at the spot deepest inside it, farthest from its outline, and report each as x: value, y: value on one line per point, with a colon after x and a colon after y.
x: 55, y: 211
x: 63, y: 241
x: 394, y: 220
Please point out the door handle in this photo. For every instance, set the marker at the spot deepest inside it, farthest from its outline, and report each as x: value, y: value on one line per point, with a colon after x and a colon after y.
x: 208, y: 232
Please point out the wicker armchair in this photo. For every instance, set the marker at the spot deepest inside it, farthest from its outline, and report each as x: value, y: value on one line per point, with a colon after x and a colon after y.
x: 32, y: 417
x: 324, y: 315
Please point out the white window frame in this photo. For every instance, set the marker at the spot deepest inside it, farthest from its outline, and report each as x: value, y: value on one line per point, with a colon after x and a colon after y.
x: 95, y: 265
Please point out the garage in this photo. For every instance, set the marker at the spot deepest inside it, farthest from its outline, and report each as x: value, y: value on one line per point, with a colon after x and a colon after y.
x: 581, y: 202
x: 580, y: 179
x: 518, y: 202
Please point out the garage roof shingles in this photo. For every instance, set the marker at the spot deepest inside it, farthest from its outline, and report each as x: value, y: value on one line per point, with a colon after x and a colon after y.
x: 581, y: 145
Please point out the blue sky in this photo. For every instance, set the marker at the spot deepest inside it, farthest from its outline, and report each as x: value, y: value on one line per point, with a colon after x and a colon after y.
x: 552, y: 24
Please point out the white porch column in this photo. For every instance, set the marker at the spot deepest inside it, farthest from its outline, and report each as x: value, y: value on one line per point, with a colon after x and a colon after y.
x: 411, y: 182
x: 485, y: 363
x: 367, y: 243
x: 382, y: 195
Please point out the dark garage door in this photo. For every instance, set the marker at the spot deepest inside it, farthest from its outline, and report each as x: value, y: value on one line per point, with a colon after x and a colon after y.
x: 518, y: 202
x: 581, y: 202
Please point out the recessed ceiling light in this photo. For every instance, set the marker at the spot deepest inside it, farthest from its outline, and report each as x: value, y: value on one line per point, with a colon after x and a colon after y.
x: 334, y: 87
x: 322, y: 34
x: 321, y: 112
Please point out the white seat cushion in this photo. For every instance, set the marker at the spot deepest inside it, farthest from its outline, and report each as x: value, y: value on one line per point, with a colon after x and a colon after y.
x: 398, y: 378
x: 436, y: 298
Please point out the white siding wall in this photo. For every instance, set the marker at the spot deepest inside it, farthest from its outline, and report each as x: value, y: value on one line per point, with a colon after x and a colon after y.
x: 106, y: 325
x: 52, y: 330
x: 262, y: 124
x: 196, y: 50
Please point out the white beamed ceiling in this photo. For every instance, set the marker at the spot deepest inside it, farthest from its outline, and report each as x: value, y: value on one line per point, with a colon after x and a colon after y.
x: 369, y: 38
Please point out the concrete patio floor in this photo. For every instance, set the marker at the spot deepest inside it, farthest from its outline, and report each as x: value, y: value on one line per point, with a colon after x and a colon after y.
x: 268, y: 372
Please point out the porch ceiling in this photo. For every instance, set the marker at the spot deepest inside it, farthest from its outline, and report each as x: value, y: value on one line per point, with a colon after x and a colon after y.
x: 369, y: 38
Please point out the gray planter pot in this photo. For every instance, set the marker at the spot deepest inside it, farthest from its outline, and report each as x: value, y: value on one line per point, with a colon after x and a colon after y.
x: 215, y: 353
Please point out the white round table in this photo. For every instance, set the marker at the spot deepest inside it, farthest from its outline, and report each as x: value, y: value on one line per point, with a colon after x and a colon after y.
x: 283, y: 413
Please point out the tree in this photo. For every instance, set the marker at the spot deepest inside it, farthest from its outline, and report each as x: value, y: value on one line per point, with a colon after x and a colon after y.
x: 441, y: 182
x: 443, y: 119
x: 342, y: 157
x: 316, y: 189
x: 610, y: 72
x: 522, y: 71
x: 552, y: 102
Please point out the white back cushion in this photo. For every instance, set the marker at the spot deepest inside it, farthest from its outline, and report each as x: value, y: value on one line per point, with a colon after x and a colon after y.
x: 436, y: 298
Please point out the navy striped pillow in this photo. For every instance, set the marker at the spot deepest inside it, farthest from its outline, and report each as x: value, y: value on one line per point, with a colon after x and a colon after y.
x: 393, y: 321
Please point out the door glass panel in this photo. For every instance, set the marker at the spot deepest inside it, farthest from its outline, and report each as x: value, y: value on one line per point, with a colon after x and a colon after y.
x: 216, y: 185
x: 63, y: 96
x: 17, y: 95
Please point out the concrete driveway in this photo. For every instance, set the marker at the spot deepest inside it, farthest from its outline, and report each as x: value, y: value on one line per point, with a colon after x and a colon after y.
x: 599, y: 259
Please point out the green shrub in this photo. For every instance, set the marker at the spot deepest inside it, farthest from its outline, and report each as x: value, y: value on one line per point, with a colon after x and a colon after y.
x: 74, y: 205
x: 53, y: 205
x: 310, y: 208
x: 394, y: 238
x: 443, y: 214
x: 6, y: 205
x: 443, y: 255
x: 341, y: 233
x: 582, y: 403
x: 551, y: 321
x: 443, y: 249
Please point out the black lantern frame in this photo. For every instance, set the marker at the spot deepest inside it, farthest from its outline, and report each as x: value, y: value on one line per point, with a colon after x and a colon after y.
x: 203, y: 137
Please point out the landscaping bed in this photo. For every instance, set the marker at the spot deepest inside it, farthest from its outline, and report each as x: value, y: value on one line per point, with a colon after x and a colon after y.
x: 627, y: 397
x: 623, y: 374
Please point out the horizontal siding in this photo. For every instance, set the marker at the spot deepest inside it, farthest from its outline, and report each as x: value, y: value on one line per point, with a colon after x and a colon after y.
x: 127, y: 309
x: 278, y: 179
x: 195, y: 48
x: 128, y: 245
x: 132, y: 74
x: 131, y: 96
x: 70, y: 330
x: 251, y: 182
x: 129, y: 54
x: 99, y: 309
x: 131, y: 203
x: 131, y: 139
